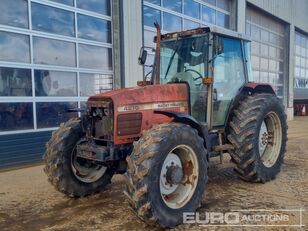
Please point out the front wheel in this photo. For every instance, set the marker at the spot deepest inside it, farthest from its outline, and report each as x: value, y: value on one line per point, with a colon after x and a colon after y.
x: 167, y: 174
x: 69, y: 174
x: 258, y: 132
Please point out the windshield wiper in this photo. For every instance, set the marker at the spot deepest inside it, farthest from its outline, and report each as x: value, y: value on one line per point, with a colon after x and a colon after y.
x: 170, y: 62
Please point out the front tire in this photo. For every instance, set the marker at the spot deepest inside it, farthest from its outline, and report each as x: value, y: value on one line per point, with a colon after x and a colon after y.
x: 167, y: 174
x: 68, y: 174
x: 258, y: 132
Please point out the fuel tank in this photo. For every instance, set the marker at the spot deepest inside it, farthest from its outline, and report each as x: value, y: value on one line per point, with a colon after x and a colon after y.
x: 133, y: 108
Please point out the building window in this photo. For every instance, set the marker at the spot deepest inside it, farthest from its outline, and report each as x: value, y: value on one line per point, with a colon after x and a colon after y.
x: 55, y: 83
x: 14, y: 13
x: 157, y: 2
x: 51, y: 52
x: 223, y: 4
x: 14, y: 47
x: 208, y: 14
x: 177, y: 15
x: 94, y: 29
x: 150, y: 16
x: 16, y: 116
x: 149, y: 38
x: 212, y: 2
x: 98, y: 6
x: 175, y: 5
x: 55, y: 63
x: 66, y: 2
x: 223, y: 20
x: 192, y: 8
x: 172, y: 22
x: 51, y: 114
x: 94, y: 83
x: 94, y: 57
x: 15, y: 82
x: 52, y: 20
x: 188, y: 24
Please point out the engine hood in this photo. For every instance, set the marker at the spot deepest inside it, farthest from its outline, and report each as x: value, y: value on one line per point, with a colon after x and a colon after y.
x: 176, y: 92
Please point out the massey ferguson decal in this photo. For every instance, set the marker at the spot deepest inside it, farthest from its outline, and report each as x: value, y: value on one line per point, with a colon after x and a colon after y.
x: 152, y: 106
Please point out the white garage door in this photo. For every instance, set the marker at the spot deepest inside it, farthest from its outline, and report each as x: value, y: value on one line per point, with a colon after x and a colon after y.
x: 267, y: 48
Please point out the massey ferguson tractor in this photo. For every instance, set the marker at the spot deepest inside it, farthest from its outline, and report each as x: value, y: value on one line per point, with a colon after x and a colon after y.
x: 198, y: 103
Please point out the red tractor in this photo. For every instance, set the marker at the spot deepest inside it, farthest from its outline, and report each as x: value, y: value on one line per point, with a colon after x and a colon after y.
x: 199, y: 103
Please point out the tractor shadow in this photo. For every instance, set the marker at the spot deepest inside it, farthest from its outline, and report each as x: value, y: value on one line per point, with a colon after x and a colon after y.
x: 225, y: 191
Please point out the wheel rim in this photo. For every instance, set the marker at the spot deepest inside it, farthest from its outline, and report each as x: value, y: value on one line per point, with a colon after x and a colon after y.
x: 85, y: 170
x: 179, y: 176
x: 270, y: 137
x: 263, y: 138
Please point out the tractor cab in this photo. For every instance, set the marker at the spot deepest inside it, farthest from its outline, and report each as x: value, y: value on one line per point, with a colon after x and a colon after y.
x: 213, y: 62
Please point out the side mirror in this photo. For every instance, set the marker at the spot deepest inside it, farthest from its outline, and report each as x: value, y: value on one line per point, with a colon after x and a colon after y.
x: 218, y: 45
x: 142, y: 56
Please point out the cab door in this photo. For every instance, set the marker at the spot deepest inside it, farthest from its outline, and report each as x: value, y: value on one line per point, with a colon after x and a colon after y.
x: 229, y: 77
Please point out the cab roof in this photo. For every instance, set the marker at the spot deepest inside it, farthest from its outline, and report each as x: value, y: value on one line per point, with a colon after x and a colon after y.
x: 203, y: 30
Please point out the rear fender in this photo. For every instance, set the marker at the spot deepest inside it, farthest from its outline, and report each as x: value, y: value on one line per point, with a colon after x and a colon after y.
x: 253, y: 88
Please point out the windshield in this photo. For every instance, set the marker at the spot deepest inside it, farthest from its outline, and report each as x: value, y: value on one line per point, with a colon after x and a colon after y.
x: 184, y: 60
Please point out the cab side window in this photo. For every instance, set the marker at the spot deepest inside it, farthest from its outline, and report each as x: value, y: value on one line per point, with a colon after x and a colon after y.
x: 229, y: 77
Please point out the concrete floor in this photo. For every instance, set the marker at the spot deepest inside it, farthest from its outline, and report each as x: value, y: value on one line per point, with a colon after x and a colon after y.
x: 29, y: 202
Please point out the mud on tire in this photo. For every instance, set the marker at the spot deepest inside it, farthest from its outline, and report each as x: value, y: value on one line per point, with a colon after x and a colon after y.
x: 58, y: 159
x: 144, y: 169
x: 244, y: 135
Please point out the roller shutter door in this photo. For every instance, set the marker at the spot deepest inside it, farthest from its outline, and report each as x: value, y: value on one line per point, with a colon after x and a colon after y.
x: 268, y: 48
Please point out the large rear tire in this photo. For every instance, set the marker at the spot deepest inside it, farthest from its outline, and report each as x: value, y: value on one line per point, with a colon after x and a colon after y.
x: 167, y: 174
x: 73, y: 176
x: 258, y: 132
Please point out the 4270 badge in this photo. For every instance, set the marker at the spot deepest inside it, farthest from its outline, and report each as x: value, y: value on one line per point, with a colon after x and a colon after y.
x: 153, y: 106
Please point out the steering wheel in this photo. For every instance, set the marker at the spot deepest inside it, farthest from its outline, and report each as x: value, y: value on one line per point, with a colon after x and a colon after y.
x: 198, y: 73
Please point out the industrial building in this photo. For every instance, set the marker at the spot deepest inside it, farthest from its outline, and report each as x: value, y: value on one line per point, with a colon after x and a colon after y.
x: 55, y: 53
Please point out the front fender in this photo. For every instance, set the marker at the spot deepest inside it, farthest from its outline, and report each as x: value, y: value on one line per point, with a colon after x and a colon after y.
x: 184, y: 118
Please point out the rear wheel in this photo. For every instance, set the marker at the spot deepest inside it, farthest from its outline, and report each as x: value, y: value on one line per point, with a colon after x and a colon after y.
x: 69, y: 174
x: 258, y: 132
x: 167, y: 174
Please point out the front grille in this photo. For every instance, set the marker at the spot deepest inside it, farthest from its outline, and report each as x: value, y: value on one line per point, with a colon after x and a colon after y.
x: 104, y: 128
x: 102, y: 119
x: 129, y: 124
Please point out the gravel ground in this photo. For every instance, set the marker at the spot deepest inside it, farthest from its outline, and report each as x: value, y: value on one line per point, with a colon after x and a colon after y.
x: 29, y: 202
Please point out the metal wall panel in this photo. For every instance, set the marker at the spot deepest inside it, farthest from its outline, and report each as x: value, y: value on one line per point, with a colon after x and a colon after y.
x: 132, y: 35
x: 291, y: 11
x: 20, y: 149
